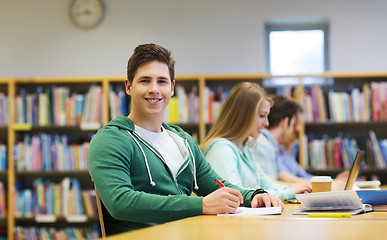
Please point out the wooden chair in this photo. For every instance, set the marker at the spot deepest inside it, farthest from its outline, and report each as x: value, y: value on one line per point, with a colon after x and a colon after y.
x: 100, y: 215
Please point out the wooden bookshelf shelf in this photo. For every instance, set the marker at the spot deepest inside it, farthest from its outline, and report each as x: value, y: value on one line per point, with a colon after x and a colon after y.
x: 59, y: 221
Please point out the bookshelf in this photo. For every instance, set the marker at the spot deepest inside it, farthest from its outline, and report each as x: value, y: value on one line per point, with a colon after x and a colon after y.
x: 48, y: 135
x: 192, y: 112
x: 354, y: 104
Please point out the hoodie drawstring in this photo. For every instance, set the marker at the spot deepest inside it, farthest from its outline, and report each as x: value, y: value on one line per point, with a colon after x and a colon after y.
x: 145, y: 159
x: 196, y: 187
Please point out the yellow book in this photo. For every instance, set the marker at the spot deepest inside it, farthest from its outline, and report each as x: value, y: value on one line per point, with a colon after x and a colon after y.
x: 57, y: 200
x: 87, y: 204
x: 173, y: 111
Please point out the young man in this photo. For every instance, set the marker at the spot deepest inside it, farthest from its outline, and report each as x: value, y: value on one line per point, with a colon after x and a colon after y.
x: 284, y: 123
x: 145, y: 170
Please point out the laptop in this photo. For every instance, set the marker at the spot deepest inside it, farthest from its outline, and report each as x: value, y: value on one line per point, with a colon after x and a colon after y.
x: 354, y: 170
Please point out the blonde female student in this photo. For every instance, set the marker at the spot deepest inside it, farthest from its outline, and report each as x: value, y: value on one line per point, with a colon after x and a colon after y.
x: 243, y: 115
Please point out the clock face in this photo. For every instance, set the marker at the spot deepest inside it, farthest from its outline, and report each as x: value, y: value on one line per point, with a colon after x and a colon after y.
x: 86, y: 14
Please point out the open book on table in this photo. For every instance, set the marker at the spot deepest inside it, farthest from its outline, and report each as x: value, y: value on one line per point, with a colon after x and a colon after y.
x: 331, y: 202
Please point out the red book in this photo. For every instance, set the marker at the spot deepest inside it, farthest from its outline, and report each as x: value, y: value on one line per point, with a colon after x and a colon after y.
x: 337, y: 153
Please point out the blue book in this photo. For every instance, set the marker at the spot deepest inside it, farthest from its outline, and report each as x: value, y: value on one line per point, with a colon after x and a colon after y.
x: 77, y: 195
x: 383, y: 147
x: 373, y: 197
x: 122, y: 100
x: 3, y: 157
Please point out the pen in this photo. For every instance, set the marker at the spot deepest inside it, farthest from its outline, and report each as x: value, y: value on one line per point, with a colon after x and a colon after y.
x: 219, y: 183
x: 330, y: 215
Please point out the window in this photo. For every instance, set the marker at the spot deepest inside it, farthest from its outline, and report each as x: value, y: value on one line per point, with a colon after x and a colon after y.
x: 296, y: 49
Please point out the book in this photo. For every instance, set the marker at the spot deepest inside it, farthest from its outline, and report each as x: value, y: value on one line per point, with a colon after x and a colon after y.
x: 373, y: 197
x: 346, y: 201
x: 376, y: 151
x: 246, y: 211
x: 379, y: 208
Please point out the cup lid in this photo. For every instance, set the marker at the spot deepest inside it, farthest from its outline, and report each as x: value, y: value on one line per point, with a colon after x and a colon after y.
x: 321, y: 179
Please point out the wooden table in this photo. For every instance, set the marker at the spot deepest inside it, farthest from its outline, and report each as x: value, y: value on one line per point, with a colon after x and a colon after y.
x: 372, y: 225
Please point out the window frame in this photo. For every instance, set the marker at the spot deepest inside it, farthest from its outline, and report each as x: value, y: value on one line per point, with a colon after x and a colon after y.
x: 324, y: 26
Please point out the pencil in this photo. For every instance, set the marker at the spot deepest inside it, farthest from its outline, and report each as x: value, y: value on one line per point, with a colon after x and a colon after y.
x: 330, y: 215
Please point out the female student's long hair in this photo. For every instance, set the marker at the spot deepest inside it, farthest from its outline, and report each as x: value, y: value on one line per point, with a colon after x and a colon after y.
x: 237, y: 113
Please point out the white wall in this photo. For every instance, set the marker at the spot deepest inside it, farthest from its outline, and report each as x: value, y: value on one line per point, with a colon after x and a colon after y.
x: 37, y: 38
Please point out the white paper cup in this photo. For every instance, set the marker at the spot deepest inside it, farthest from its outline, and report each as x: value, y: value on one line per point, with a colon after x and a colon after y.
x: 321, y: 183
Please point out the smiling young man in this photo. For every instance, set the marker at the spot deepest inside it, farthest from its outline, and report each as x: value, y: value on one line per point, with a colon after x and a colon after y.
x: 145, y: 170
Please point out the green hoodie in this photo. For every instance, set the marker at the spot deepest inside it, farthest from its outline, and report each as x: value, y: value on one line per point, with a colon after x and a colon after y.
x: 136, y: 186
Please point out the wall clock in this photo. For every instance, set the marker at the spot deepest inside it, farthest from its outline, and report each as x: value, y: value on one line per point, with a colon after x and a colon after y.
x: 86, y: 14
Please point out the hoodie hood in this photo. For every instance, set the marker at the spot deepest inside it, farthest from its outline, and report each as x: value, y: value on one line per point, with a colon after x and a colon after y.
x: 175, y: 132
x: 125, y: 123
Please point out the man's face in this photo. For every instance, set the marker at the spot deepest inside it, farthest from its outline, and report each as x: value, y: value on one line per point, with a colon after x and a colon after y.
x: 290, y: 131
x: 150, y: 90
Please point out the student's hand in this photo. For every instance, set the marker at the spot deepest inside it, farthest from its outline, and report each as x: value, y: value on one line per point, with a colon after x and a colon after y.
x: 338, y: 184
x: 343, y: 176
x: 301, y: 187
x: 223, y: 200
x: 266, y: 200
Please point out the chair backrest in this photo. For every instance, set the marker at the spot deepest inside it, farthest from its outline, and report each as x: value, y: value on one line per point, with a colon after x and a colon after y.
x: 100, y: 215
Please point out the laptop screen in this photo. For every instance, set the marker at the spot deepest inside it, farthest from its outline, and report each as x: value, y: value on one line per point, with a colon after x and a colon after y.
x: 354, y: 170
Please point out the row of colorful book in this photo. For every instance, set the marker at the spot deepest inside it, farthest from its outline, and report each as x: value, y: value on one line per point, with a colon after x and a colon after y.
x: 48, y: 199
x: 59, y: 106
x: 49, y: 152
x: 368, y: 103
x: 314, y: 105
x: 357, y: 105
x: 48, y: 233
x: 377, y: 151
x: 3, y: 208
x: 339, y: 152
x: 330, y: 153
x: 119, y: 102
x: 183, y: 107
x: 4, y: 109
x: 213, y: 100
x: 3, y: 157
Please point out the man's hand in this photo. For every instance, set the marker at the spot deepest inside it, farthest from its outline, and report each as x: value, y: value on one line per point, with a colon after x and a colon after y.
x: 266, y: 200
x: 338, y: 185
x: 223, y: 200
x: 343, y: 176
x: 301, y: 187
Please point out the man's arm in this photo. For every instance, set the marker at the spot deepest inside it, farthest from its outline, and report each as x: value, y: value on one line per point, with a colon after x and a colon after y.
x: 289, y: 178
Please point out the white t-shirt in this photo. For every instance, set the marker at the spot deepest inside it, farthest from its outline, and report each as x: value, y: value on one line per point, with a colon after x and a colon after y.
x: 165, y: 145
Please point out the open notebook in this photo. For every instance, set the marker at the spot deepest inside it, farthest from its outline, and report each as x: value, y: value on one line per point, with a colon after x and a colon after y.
x: 246, y: 211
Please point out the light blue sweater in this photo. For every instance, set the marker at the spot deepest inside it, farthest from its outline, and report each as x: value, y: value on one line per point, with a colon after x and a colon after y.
x: 241, y: 169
